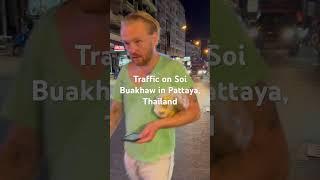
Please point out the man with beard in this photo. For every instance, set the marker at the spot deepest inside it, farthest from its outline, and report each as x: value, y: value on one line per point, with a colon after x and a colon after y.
x: 68, y: 136
x: 151, y: 157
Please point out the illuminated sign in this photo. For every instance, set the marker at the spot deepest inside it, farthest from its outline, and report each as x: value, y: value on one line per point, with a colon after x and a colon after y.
x: 118, y: 48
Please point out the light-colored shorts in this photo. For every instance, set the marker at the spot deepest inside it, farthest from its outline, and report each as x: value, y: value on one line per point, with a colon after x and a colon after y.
x: 159, y: 170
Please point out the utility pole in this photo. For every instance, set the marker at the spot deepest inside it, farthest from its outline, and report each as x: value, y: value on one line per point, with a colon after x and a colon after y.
x: 166, y: 40
x: 4, y: 18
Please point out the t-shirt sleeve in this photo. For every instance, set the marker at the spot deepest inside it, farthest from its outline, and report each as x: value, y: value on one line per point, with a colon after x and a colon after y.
x: 119, y: 82
x: 181, y: 72
x: 20, y: 107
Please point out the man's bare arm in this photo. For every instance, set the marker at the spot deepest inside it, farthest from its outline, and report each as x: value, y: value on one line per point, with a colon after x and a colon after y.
x: 192, y: 113
x: 115, y: 116
x: 266, y: 155
x: 20, y: 154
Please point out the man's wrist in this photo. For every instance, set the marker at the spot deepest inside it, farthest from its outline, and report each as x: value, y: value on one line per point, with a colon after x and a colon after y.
x: 159, y: 124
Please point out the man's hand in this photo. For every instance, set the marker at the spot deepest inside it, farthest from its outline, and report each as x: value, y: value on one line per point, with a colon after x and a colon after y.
x: 189, y: 115
x: 149, y: 132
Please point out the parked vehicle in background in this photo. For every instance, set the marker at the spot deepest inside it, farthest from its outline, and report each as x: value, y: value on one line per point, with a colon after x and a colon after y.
x: 199, y: 68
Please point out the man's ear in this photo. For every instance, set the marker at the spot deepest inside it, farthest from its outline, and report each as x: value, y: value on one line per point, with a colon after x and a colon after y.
x: 155, y: 38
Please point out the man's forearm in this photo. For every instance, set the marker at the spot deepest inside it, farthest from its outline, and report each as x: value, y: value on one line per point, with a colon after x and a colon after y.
x: 180, y: 119
x: 192, y: 113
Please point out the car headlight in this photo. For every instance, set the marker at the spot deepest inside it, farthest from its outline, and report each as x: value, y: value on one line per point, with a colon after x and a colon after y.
x: 201, y: 72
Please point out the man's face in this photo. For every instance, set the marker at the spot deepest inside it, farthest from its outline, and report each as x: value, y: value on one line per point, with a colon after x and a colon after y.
x: 138, y: 42
x: 94, y: 6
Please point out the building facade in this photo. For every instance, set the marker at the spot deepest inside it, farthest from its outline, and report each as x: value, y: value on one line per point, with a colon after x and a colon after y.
x: 118, y: 10
x: 192, y: 51
x: 171, y: 16
x: 11, y: 12
x: 121, y: 8
x: 14, y: 12
x: 169, y: 13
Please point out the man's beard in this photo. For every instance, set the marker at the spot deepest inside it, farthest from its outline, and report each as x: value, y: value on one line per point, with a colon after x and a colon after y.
x: 145, y: 60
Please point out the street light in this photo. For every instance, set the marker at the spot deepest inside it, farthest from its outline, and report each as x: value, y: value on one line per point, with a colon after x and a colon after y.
x: 206, y: 51
x: 184, y: 27
x: 197, y: 43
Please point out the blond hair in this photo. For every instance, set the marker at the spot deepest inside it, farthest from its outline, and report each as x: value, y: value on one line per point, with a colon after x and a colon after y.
x: 153, y: 24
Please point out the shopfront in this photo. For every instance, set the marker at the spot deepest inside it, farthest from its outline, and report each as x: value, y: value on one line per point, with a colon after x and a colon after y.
x: 119, y: 57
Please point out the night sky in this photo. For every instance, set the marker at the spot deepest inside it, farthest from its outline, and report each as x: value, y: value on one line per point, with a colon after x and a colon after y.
x: 198, y: 18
